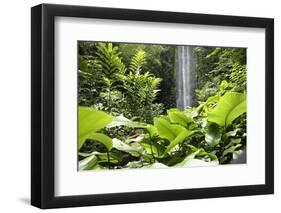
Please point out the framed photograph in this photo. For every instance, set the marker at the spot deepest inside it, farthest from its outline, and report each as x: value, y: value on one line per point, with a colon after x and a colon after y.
x: 139, y: 106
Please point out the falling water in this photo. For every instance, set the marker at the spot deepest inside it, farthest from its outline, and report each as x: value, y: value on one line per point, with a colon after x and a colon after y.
x: 185, y: 77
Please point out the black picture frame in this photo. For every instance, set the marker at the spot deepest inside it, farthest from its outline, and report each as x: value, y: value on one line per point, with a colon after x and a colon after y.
x: 43, y: 110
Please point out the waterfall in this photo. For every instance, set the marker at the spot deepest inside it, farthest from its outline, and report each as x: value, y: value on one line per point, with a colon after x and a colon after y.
x: 185, y: 77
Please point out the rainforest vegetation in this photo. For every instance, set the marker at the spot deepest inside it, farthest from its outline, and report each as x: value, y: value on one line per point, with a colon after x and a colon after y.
x: 128, y: 116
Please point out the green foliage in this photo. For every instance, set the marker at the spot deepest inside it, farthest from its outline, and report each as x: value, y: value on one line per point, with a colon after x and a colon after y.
x: 108, y: 85
x: 160, y: 62
x: 167, y: 130
x: 137, y: 62
x: 215, y: 65
x: 102, y: 138
x: 178, y: 117
x: 129, y: 119
x: 167, y: 73
x: 90, y: 121
x: 140, y: 94
x: 229, y: 107
x: 181, y: 138
x: 238, y: 77
x: 90, y: 81
x: 109, y: 60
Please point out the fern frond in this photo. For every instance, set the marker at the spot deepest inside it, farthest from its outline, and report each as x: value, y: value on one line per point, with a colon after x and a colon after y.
x: 138, y: 61
x: 109, y: 60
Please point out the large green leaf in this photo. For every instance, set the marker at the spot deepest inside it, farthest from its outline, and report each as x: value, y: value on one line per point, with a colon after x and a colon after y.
x: 90, y: 121
x: 179, y: 139
x: 179, y: 117
x: 172, y: 132
x: 167, y: 130
x: 152, y: 130
x: 104, y: 139
x: 229, y: 107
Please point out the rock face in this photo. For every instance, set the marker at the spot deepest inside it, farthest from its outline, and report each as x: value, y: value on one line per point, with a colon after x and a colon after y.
x: 185, y: 77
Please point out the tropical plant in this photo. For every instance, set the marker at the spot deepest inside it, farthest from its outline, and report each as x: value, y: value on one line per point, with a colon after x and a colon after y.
x: 215, y: 65
x: 140, y: 93
x: 109, y: 60
x: 124, y: 90
x: 228, y: 108
x: 112, y: 87
x: 137, y: 62
x: 180, y: 138
x: 90, y: 121
x: 90, y: 80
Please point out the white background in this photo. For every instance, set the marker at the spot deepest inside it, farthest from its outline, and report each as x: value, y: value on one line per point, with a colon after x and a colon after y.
x: 15, y: 105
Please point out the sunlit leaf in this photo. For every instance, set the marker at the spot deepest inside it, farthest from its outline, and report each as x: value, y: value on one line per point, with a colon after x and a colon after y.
x: 179, y: 139
x: 90, y: 121
x: 172, y: 132
x: 229, y: 107
x: 102, y: 138
x: 167, y: 130
x: 152, y: 130
x: 179, y: 117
